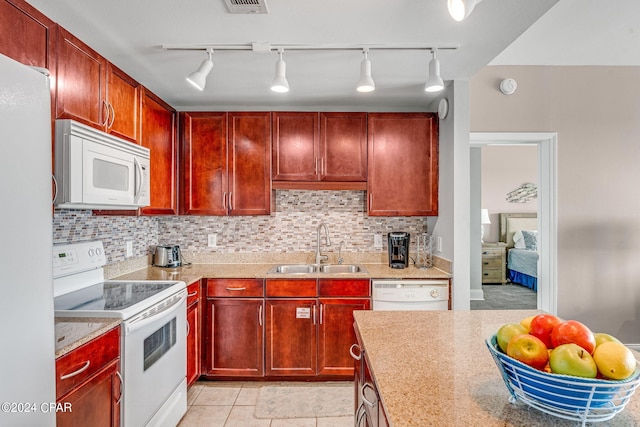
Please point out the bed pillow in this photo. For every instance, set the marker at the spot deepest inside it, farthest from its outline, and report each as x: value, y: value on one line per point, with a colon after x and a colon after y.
x: 530, y: 238
x: 518, y: 240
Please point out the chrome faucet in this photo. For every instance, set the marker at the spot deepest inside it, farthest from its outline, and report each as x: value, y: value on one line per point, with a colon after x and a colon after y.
x: 319, y: 256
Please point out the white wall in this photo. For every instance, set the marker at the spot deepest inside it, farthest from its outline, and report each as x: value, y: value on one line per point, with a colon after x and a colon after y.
x: 598, y: 157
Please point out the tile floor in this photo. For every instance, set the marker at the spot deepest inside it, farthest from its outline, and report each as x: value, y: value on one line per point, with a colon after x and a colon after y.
x: 232, y: 404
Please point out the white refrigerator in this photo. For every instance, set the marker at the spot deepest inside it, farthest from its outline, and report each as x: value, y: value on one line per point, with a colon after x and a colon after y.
x: 27, y: 337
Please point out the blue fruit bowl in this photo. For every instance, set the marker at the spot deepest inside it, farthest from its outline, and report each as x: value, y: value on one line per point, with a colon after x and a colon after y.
x: 565, y: 396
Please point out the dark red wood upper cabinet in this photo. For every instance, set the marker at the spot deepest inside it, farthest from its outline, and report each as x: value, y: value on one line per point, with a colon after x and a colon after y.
x: 343, y: 146
x: 123, y: 98
x: 402, y: 164
x: 158, y: 133
x: 295, y: 146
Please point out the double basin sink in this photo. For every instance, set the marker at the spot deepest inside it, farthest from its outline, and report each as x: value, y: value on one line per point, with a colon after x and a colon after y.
x: 314, y: 268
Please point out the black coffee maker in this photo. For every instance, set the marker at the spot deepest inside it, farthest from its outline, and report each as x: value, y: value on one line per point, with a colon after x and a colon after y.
x: 398, y: 244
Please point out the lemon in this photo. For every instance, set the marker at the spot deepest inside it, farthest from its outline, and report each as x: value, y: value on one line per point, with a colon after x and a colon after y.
x: 614, y: 360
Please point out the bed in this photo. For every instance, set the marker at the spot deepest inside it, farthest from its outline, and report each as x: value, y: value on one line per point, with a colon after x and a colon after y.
x: 519, y: 232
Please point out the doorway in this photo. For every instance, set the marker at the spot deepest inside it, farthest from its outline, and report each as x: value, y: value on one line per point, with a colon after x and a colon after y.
x: 547, y: 205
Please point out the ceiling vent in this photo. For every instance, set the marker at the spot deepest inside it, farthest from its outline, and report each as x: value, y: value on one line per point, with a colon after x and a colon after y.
x: 246, y: 6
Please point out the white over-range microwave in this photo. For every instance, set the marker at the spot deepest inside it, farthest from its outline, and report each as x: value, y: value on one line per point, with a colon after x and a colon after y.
x: 95, y: 170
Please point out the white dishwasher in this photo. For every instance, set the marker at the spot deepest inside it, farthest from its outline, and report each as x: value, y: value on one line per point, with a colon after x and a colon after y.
x: 410, y: 294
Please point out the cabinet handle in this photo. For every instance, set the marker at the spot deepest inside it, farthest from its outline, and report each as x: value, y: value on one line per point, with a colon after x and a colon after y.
x: 230, y: 199
x: 314, y: 314
x: 121, y: 382
x: 188, y: 328
x: 355, y: 356
x: 260, y: 315
x: 363, y: 416
x: 79, y: 371
x: 364, y: 398
x: 55, y: 188
x: 113, y: 116
x: 106, y: 113
x: 316, y: 166
x: 224, y: 200
x: 321, y: 311
x: 193, y: 294
x: 236, y: 289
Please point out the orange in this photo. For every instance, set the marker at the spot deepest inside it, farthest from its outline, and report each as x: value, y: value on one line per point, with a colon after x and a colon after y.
x: 614, y: 360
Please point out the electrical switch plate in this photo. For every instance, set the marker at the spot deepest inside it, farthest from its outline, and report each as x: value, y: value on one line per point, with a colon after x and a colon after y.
x: 212, y: 240
x: 377, y: 240
x: 438, y: 244
x: 129, y: 249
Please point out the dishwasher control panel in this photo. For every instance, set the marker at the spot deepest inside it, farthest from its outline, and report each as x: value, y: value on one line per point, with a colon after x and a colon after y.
x: 410, y: 294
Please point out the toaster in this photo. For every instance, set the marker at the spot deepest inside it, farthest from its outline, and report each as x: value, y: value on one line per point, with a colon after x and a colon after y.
x: 168, y: 256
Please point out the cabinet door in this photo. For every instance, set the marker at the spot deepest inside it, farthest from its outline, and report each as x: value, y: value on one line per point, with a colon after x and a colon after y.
x: 343, y: 146
x: 295, y: 146
x: 249, y: 163
x: 193, y: 343
x: 336, y: 334
x: 403, y: 164
x: 204, y: 163
x: 158, y: 133
x: 95, y: 403
x: 234, y: 337
x: 123, y: 97
x: 81, y: 82
x: 27, y: 35
x: 291, y: 337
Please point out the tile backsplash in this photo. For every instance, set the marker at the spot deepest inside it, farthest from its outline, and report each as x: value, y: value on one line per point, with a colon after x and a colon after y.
x: 291, y: 228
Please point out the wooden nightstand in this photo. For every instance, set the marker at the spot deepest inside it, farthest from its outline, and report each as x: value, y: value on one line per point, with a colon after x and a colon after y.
x: 494, y: 263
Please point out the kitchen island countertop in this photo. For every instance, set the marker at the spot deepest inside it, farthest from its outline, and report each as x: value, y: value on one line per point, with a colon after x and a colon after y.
x: 432, y: 368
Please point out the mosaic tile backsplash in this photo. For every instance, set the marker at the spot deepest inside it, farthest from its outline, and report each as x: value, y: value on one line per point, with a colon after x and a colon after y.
x: 291, y: 228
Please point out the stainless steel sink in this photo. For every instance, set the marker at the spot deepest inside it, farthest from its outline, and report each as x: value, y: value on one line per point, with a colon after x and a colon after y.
x: 312, y: 268
x: 341, y: 268
x: 292, y: 269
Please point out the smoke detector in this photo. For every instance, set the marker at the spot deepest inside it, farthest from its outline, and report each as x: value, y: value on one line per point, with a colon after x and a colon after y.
x: 246, y: 6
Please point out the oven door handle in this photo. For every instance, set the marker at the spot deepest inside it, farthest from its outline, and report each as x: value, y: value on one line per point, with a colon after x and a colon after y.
x: 141, y: 322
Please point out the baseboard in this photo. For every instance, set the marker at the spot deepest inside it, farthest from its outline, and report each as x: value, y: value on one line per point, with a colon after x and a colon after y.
x: 476, y: 295
x: 635, y: 347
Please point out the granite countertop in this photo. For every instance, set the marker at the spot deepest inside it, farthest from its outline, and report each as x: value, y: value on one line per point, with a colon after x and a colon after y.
x: 433, y: 368
x: 72, y: 332
x: 191, y: 273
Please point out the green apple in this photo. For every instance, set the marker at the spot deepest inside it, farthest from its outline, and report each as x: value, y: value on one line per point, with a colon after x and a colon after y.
x: 571, y: 359
x: 602, y: 337
x: 506, y: 332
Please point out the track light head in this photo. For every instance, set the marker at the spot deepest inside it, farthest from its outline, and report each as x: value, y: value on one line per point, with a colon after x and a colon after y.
x: 434, y: 81
x: 460, y: 9
x: 366, y: 83
x: 199, y: 77
x: 280, y: 83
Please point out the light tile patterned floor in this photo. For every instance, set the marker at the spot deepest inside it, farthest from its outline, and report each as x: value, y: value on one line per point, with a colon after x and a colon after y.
x: 232, y: 404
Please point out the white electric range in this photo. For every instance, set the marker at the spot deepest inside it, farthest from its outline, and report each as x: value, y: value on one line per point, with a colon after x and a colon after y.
x: 153, y: 335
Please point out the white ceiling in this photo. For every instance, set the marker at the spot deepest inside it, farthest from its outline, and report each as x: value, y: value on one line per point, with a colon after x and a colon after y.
x: 131, y: 35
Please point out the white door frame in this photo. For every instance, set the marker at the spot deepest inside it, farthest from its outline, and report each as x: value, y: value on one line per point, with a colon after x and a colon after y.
x: 547, y: 205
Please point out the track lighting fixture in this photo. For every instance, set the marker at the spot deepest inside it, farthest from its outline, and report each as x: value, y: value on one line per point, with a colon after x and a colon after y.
x: 366, y: 84
x: 434, y: 81
x: 199, y: 77
x: 460, y: 9
x: 280, y: 83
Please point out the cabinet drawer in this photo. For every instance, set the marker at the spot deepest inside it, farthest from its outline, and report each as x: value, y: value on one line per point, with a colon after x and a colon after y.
x: 491, y: 276
x: 291, y: 288
x: 344, y: 287
x: 235, y: 288
x: 80, y: 364
x: 491, y: 263
x: 492, y: 252
x: 193, y: 292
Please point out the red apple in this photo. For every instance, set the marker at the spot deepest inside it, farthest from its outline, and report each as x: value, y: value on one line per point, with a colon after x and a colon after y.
x: 574, y: 332
x: 571, y: 359
x: 529, y: 350
x: 541, y: 327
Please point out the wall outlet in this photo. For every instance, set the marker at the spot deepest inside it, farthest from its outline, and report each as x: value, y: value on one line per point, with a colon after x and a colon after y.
x: 212, y: 240
x: 377, y: 240
x: 129, y: 249
x: 438, y: 244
